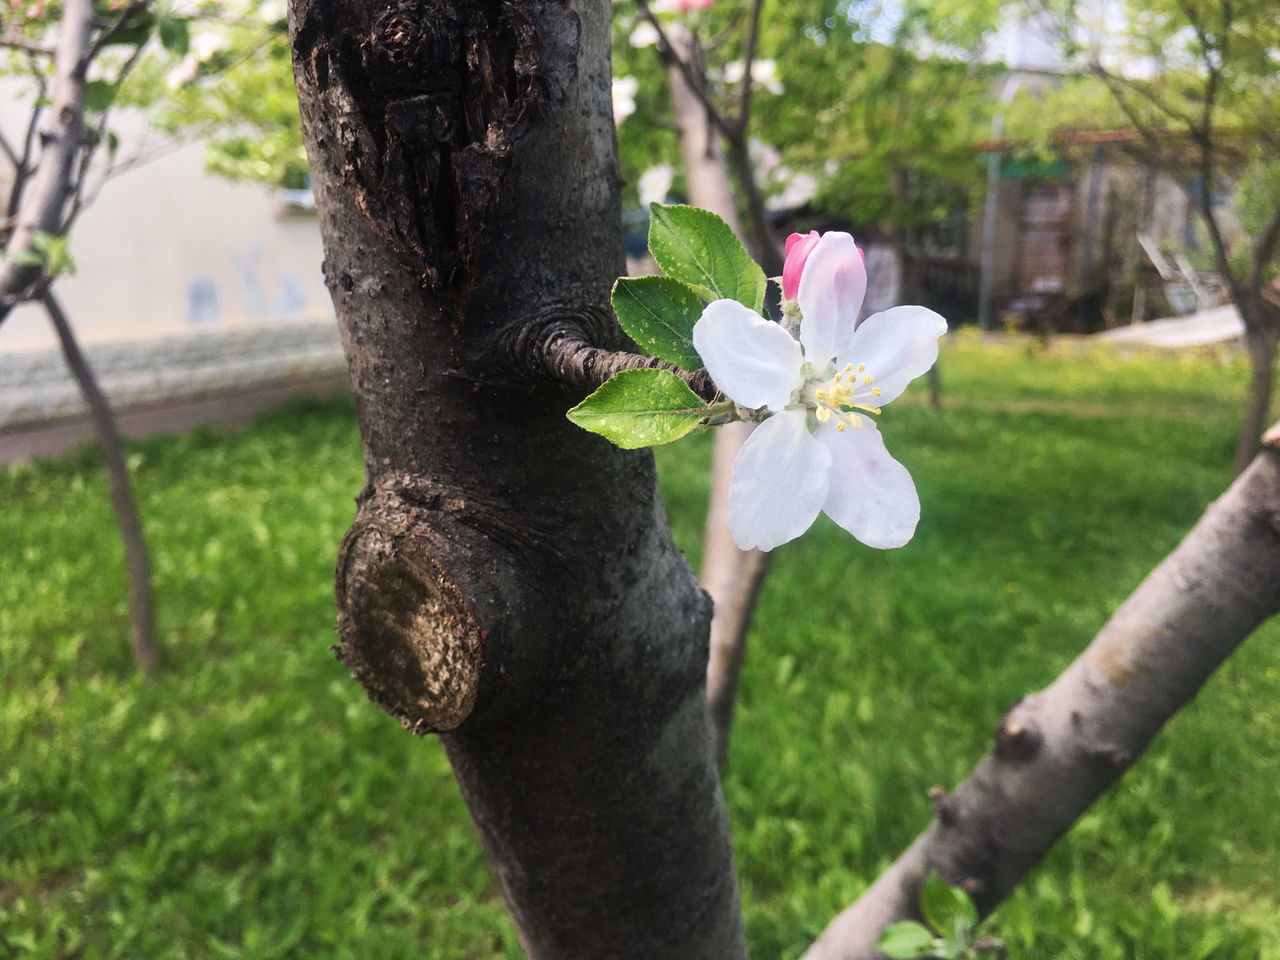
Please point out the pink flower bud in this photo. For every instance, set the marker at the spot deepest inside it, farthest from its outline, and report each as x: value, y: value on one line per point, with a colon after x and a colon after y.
x: 799, y: 246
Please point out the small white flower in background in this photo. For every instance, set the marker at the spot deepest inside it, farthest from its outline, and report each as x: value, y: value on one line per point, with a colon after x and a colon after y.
x: 655, y: 184
x: 818, y: 451
x: 644, y: 35
x: 764, y: 73
x: 624, y: 98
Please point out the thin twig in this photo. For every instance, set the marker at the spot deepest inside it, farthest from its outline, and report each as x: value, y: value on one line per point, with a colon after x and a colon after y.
x: 572, y: 360
x: 14, y: 42
x: 671, y: 56
x: 749, y: 43
x: 106, y: 36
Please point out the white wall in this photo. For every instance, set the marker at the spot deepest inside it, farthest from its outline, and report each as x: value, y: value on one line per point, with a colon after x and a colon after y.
x: 167, y: 249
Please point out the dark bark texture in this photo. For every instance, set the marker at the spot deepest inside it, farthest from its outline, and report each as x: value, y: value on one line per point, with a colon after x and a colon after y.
x: 509, y: 578
x: 1056, y: 751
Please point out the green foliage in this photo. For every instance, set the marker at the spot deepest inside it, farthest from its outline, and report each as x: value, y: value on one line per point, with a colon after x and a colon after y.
x: 906, y: 940
x: 48, y: 251
x: 658, y: 313
x: 641, y: 408
x: 948, y: 909
x: 697, y: 247
x: 252, y: 802
x: 232, y: 87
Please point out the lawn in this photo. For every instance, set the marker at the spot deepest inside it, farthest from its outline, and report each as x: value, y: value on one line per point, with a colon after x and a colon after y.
x: 252, y: 803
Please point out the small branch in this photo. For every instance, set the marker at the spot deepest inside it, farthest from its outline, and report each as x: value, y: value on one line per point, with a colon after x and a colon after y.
x: 81, y: 176
x: 23, y: 172
x: 574, y: 361
x: 13, y: 42
x: 1058, y: 750
x: 1264, y: 250
x: 670, y: 55
x: 118, y: 24
x: 740, y: 121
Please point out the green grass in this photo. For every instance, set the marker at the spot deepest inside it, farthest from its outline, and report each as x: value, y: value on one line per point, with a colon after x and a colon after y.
x: 252, y: 803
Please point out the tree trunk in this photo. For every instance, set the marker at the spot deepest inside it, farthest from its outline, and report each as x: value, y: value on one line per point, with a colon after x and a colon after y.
x: 45, y: 195
x: 732, y: 578
x: 1056, y: 751
x: 509, y: 579
x: 142, y: 620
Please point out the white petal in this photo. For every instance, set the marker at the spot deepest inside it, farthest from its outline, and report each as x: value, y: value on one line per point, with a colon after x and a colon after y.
x: 779, y: 483
x: 897, y: 345
x: 832, y: 286
x: 871, y: 494
x: 751, y: 359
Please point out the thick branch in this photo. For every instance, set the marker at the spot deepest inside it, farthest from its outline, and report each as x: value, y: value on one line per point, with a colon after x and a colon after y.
x: 51, y: 186
x: 1056, y: 751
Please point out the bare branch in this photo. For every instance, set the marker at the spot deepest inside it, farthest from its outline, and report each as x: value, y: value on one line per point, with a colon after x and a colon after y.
x: 740, y: 121
x: 670, y: 54
x: 15, y: 42
x: 47, y: 194
x: 95, y: 140
x: 1056, y: 751
x: 1264, y: 250
x: 23, y: 172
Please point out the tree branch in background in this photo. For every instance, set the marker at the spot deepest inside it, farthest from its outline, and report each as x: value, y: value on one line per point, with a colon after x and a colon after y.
x: 671, y: 55
x: 1056, y: 751
x: 51, y: 185
x: 142, y: 622
x: 23, y: 172
x: 1264, y: 250
x: 743, y: 118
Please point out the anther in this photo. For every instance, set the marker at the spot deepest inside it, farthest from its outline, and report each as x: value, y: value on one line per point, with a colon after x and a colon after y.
x: 861, y: 367
x: 866, y: 379
x: 875, y: 391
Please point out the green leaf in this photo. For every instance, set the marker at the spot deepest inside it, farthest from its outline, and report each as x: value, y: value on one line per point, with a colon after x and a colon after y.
x: 174, y: 35
x: 658, y: 313
x: 24, y: 258
x: 640, y: 408
x: 98, y: 95
x: 947, y: 909
x: 906, y: 940
x: 698, y: 247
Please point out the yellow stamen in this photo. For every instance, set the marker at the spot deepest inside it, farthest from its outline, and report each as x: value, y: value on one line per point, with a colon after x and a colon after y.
x: 866, y: 379
x: 823, y: 414
x: 861, y: 367
x: 875, y: 391
x: 840, y: 427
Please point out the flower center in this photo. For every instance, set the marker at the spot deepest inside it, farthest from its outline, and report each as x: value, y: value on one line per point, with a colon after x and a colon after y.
x: 841, y: 397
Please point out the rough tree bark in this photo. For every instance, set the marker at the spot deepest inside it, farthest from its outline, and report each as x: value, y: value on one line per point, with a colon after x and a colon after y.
x: 1056, y: 751
x: 509, y: 580
x: 732, y: 578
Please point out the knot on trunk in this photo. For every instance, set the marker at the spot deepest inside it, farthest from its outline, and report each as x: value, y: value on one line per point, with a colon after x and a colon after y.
x: 408, y: 633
